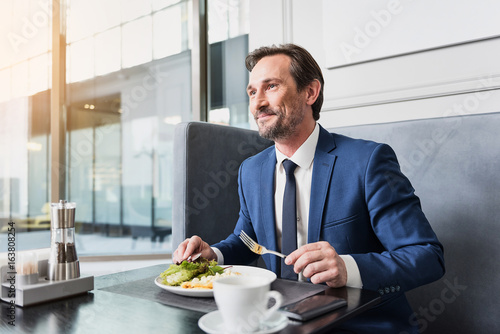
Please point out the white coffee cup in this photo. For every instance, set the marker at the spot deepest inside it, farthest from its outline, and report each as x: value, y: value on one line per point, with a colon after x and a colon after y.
x: 243, y: 300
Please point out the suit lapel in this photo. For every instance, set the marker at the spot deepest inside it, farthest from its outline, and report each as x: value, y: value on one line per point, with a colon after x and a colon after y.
x: 324, y: 162
x: 268, y: 217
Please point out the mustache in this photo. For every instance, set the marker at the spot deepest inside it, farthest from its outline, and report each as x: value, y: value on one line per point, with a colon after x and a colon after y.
x: 265, y: 112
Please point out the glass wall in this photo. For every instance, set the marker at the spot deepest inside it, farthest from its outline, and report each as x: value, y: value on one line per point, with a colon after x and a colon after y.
x: 128, y: 83
x: 25, y: 83
x: 228, y: 27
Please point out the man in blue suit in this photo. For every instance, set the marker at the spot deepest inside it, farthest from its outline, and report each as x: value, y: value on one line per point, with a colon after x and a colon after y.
x: 358, y: 220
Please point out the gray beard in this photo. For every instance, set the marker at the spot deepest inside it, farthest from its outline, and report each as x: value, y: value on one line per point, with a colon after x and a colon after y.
x: 282, y: 129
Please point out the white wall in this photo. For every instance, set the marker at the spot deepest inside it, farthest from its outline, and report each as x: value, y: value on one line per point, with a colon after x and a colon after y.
x: 454, y: 80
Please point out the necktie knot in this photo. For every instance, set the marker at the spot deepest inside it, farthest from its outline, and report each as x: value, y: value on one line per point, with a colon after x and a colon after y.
x: 289, y: 166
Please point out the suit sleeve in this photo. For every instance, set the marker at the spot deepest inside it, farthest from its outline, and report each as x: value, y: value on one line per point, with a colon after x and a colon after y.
x: 232, y: 248
x: 413, y: 255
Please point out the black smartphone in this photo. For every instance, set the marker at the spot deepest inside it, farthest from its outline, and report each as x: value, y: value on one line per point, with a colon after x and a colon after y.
x: 312, y: 307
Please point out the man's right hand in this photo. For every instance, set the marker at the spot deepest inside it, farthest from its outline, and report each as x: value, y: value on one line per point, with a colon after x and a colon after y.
x: 191, y: 246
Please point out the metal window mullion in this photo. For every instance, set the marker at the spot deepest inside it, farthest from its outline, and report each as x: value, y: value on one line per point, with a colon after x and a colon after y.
x: 199, y: 62
x: 57, y: 101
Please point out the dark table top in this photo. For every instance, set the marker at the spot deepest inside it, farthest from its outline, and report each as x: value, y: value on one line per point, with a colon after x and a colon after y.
x: 101, y: 311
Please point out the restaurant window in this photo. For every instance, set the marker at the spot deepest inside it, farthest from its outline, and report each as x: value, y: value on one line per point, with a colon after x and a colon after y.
x: 228, y: 28
x: 128, y: 83
x: 25, y: 84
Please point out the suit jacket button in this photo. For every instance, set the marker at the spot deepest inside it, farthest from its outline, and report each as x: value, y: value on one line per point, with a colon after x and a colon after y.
x: 393, y: 289
x: 387, y: 290
x: 398, y: 288
x: 381, y: 292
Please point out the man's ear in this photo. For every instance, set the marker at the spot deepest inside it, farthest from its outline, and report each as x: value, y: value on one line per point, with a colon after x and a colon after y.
x: 312, y: 91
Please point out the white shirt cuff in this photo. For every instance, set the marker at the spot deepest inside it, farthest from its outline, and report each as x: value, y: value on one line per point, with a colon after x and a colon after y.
x: 220, y: 257
x: 353, y: 275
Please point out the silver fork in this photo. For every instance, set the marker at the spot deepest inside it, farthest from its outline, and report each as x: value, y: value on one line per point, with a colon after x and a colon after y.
x: 255, y: 247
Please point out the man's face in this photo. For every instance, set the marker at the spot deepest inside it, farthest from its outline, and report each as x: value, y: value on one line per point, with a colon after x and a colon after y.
x: 275, y: 103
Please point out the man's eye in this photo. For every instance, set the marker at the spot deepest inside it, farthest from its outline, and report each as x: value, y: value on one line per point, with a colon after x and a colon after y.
x: 272, y: 86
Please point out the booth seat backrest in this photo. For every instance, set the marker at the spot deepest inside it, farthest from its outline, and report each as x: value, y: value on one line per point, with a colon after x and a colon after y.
x: 454, y: 166
x: 206, y: 162
x: 453, y: 163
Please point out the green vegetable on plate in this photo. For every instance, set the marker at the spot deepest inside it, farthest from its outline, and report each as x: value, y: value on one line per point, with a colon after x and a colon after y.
x: 176, y: 274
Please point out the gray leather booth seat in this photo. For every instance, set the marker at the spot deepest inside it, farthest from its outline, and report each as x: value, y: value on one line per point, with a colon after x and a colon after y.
x: 206, y: 162
x: 453, y: 164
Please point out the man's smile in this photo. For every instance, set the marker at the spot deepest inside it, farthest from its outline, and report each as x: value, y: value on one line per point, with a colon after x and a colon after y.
x: 263, y: 115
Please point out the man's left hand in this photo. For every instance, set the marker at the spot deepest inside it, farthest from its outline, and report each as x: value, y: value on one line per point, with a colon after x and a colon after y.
x: 320, y: 262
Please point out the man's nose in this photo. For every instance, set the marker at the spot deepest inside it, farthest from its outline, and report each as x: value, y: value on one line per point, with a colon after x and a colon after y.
x: 259, y: 102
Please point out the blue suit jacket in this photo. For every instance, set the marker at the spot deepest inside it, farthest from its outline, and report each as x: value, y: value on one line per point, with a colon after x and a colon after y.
x: 363, y: 206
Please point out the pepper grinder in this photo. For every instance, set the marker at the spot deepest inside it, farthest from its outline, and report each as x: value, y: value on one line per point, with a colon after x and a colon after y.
x: 63, y: 261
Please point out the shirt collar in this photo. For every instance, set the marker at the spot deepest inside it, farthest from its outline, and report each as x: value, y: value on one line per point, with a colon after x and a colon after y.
x: 304, y: 156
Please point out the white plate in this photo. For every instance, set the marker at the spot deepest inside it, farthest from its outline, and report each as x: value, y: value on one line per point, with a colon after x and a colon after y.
x: 212, y: 323
x: 244, y: 270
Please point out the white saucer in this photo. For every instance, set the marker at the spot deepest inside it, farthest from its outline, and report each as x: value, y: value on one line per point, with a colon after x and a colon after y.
x: 212, y: 323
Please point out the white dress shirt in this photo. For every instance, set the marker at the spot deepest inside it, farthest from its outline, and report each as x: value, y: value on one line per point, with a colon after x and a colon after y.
x: 304, y: 159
